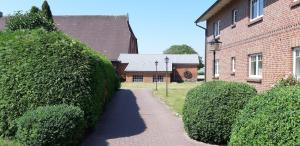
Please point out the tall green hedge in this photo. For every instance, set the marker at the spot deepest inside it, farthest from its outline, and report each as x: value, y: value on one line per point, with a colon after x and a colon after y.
x: 51, y: 126
x: 211, y: 109
x: 40, y: 68
x: 269, y: 119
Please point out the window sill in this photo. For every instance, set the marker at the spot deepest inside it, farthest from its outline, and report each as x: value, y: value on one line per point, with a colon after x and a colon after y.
x: 295, y: 4
x: 218, y: 37
x: 254, y: 80
x: 216, y: 78
x: 255, y: 21
x: 233, y: 25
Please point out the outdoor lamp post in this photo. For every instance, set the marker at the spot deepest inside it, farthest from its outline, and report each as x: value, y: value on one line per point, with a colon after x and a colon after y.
x: 214, y: 46
x: 167, y: 62
x: 156, y: 77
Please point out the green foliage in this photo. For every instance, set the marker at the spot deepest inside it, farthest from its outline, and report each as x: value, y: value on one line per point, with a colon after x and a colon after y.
x: 211, y: 109
x: 29, y: 21
x: 183, y: 49
x: 39, y: 68
x: 51, y: 126
x: 269, y: 119
x: 34, y: 10
x: 180, y: 49
x: 287, y: 81
x: 47, y: 11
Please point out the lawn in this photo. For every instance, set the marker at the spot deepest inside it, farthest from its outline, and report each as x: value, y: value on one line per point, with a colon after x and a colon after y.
x: 177, y: 92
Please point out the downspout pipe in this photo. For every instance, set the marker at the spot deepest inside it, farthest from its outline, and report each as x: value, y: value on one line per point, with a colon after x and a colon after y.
x: 205, y: 63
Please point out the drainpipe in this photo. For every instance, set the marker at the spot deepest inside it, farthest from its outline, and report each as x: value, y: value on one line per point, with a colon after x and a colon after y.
x: 205, y: 63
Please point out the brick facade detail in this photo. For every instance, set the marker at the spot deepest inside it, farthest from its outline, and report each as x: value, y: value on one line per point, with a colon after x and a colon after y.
x: 274, y: 36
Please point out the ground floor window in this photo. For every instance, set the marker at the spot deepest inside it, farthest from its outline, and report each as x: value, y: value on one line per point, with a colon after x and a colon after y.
x: 255, y: 66
x: 158, y: 78
x: 233, y: 64
x: 217, y: 64
x: 137, y: 78
x: 297, y: 62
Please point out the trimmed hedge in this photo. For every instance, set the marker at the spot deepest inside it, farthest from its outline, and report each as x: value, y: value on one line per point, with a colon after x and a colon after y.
x: 272, y: 118
x: 39, y: 68
x: 51, y: 126
x: 210, y: 110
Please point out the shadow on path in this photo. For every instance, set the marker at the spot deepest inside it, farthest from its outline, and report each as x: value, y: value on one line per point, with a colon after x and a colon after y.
x: 121, y: 119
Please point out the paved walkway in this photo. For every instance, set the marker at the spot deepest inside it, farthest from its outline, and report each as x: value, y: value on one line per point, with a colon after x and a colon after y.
x: 136, y: 118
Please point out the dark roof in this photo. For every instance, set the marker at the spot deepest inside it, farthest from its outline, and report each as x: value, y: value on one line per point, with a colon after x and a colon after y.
x: 109, y: 35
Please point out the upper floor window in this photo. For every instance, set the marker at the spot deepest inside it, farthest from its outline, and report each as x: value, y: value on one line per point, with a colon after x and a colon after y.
x: 255, y: 66
x: 217, y: 28
x: 234, y: 16
x: 256, y: 8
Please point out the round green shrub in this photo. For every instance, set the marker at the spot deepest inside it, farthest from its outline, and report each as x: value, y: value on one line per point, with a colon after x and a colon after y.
x: 39, y: 68
x: 210, y: 110
x: 51, y: 126
x: 272, y: 118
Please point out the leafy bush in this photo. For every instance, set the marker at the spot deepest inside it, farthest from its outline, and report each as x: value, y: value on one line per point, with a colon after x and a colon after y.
x: 29, y: 21
x: 51, y: 126
x: 269, y: 119
x: 39, y: 68
x: 210, y: 110
x: 290, y: 80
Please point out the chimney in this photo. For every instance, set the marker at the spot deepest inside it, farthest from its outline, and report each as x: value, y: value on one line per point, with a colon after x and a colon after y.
x: 1, y: 14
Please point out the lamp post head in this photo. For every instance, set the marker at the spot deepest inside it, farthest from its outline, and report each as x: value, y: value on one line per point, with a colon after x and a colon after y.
x: 214, y: 45
x: 156, y: 62
x: 167, y: 59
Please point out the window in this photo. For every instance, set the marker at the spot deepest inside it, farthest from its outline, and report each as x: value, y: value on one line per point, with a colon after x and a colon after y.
x: 233, y: 64
x: 217, y: 28
x: 297, y: 62
x: 255, y: 66
x: 256, y: 8
x: 234, y: 16
x: 137, y: 78
x: 217, y: 68
x: 159, y: 78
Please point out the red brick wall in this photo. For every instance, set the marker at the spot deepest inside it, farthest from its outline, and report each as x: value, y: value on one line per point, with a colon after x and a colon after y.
x: 274, y: 36
x: 181, y: 69
x: 148, y: 76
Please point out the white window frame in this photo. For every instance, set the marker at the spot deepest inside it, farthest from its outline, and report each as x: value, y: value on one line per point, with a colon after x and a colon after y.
x: 294, y: 62
x: 160, y: 78
x: 258, y: 10
x: 217, y: 68
x: 234, y: 16
x: 217, y: 31
x: 257, y: 76
x: 233, y: 60
x: 137, y: 78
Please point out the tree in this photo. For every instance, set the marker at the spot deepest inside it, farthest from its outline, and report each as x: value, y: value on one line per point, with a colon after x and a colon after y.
x: 184, y: 49
x: 34, y: 10
x: 47, y: 11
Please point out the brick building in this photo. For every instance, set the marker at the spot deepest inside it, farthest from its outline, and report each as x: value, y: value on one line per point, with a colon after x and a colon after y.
x: 142, y: 68
x: 109, y: 35
x: 260, y: 41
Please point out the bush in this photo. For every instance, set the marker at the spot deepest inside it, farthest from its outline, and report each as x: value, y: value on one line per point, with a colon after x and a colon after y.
x: 39, y: 68
x: 51, y: 126
x: 29, y: 21
x: 210, y: 110
x: 269, y: 119
x: 290, y: 80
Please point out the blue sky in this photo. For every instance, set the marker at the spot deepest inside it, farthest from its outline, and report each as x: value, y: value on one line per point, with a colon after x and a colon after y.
x: 158, y: 24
